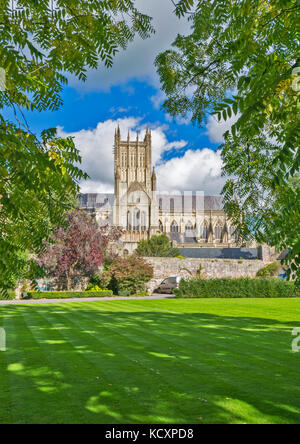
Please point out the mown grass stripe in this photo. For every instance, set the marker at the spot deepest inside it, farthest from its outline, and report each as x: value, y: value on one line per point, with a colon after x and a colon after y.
x: 246, y: 386
x: 121, y: 370
x: 135, y: 359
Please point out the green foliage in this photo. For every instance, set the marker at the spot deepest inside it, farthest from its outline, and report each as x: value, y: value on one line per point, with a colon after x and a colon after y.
x: 250, y: 47
x: 127, y: 276
x: 41, y: 43
x: 237, y: 288
x: 68, y: 294
x: 8, y: 295
x: 92, y: 287
x: 157, y: 246
x: 270, y: 270
x: 141, y: 294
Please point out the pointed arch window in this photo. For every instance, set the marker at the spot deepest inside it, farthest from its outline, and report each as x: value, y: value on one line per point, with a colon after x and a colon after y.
x: 189, y: 230
x: 174, y: 227
x: 160, y: 204
x: 136, y: 219
x: 218, y: 231
x: 124, y: 159
x: 172, y: 205
x: 143, y: 221
x: 204, y: 231
x: 129, y: 221
x: 189, y: 227
x: 161, y: 227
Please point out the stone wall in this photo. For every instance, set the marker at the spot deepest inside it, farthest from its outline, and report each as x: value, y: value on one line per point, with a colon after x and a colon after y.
x: 211, y: 268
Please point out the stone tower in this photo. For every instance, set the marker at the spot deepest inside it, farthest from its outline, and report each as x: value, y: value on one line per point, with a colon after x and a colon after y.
x: 135, y: 187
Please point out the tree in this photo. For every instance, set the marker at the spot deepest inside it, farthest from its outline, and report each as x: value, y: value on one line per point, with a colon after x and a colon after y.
x: 77, y: 249
x: 242, y: 62
x: 126, y: 276
x: 157, y: 246
x: 257, y: 208
x: 41, y: 43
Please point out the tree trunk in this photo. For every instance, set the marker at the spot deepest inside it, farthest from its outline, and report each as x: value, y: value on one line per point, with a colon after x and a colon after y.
x: 18, y: 291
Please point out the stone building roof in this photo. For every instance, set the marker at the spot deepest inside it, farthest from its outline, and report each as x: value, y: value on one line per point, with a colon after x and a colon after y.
x: 96, y: 200
x: 191, y: 202
x: 169, y: 202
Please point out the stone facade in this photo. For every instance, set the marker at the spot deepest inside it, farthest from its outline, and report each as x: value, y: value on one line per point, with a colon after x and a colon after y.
x: 211, y: 268
x: 190, y: 219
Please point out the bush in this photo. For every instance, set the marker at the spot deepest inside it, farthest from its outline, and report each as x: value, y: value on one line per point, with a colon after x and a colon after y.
x: 237, y: 288
x: 140, y: 295
x: 68, y: 294
x: 269, y: 270
x: 127, y: 276
x: 157, y: 246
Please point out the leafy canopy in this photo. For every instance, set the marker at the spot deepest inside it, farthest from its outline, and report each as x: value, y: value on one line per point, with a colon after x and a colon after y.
x: 241, y: 62
x: 77, y: 249
x: 157, y: 246
x: 41, y: 43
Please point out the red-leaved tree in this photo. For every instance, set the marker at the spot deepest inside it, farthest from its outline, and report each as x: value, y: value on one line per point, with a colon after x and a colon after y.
x: 76, y: 249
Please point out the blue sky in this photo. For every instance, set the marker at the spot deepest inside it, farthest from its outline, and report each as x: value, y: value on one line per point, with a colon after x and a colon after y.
x: 129, y: 94
x: 84, y: 110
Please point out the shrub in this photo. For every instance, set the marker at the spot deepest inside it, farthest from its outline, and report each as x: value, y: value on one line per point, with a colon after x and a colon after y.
x: 68, y: 294
x: 269, y: 270
x: 140, y: 295
x: 237, y: 288
x: 127, y: 276
x: 157, y: 246
x: 92, y: 287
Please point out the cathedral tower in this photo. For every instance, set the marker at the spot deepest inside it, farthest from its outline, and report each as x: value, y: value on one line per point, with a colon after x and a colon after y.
x: 135, y: 186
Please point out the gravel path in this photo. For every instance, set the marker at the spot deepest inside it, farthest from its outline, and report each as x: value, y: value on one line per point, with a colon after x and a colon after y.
x: 58, y: 301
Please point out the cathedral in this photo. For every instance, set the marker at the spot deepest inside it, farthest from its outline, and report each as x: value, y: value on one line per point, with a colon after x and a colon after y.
x: 192, y: 220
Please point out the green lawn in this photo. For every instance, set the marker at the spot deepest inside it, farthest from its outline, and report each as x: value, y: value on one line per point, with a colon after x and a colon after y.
x: 155, y: 361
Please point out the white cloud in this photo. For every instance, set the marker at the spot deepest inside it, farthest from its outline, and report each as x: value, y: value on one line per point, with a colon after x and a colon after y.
x: 198, y: 170
x: 96, y: 148
x: 216, y: 129
x: 137, y: 61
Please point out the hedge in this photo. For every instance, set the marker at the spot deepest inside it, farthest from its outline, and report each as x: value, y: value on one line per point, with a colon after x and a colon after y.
x: 237, y: 288
x: 67, y: 294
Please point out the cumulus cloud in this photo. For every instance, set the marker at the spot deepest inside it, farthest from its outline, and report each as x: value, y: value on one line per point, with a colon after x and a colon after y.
x: 216, y: 129
x: 137, y: 62
x: 198, y: 170
x: 96, y: 148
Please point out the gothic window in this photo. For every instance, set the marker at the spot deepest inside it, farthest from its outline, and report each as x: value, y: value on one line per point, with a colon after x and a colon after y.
x: 143, y: 221
x: 129, y: 221
x: 161, y: 227
x: 132, y: 160
x: 172, y: 205
x: 124, y: 160
x: 189, y: 227
x: 174, y: 227
x: 204, y: 232
x: 160, y: 204
x: 218, y: 231
x: 136, y: 219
